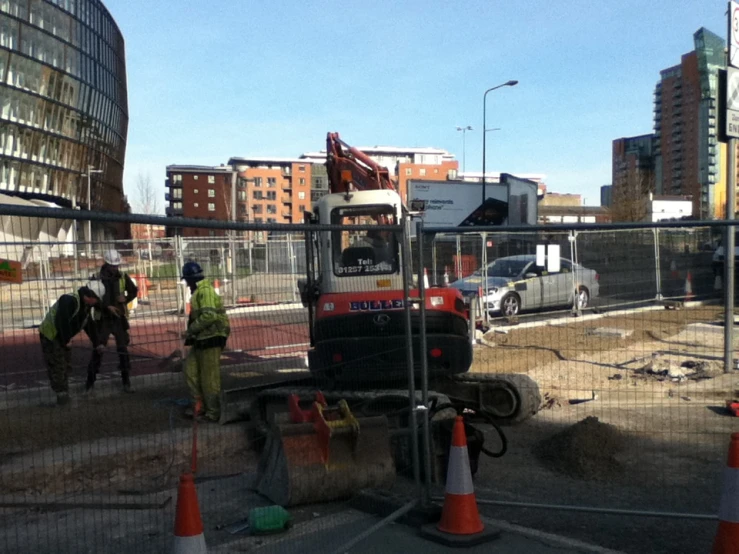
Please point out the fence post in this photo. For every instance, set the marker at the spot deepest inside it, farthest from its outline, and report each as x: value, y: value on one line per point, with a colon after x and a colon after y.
x: 423, y: 347
x: 484, y: 299
x: 572, y: 237
x: 293, y: 270
x: 407, y: 269
x: 458, y: 267
x: 657, y: 271
x: 434, y: 260
x: 729, y: 241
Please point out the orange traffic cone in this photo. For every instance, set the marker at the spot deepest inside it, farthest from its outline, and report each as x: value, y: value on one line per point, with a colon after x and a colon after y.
x: 460, y: 522
x: 188, y: 526
x: 727, y: 536
x: 217, y: 286
x: 689, y: 287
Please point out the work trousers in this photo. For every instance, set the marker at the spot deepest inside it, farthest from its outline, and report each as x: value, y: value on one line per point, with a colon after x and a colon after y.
x: 203, y: 375
x: 58, y: 360
x: 118, y: 327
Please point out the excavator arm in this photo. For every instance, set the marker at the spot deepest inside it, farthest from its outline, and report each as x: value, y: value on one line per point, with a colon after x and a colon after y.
x: 347, y: 165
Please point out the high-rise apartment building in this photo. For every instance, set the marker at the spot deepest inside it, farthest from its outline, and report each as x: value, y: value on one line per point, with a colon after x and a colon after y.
x: 687, y: 151
x: 633, y: 177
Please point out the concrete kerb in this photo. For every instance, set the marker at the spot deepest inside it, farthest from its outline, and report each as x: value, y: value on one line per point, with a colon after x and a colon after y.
x: 568, y: 319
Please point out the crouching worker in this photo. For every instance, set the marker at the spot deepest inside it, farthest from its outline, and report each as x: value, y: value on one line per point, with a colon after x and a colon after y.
x: 207, y: 332
x: 67, y: 317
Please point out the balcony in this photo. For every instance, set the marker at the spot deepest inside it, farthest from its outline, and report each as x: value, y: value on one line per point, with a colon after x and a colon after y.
x: 286, y: 172
x: 286, y: 199
x: 169, y: 183
x: 287, y: 213
x: 166, y: 196
x: 172, y: 212
x: 287, y: 186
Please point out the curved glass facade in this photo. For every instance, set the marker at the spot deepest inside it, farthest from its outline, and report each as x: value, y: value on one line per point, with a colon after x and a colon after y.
x: 63, y: 102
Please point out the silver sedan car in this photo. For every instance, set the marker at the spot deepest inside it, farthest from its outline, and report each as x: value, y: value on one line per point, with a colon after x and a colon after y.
x: 516, y: 283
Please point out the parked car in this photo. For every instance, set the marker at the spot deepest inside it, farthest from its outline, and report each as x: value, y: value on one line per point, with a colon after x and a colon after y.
x: 516, y: 283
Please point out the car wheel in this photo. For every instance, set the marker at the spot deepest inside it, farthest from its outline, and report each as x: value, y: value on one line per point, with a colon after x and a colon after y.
x: 510, y: 305
x: 583, y: 298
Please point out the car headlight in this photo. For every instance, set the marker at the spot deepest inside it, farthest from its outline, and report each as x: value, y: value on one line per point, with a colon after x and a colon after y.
x: 493, y: 291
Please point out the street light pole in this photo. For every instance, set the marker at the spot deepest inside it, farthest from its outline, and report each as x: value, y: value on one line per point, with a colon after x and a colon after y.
x: 464, y: 145
x: 484, y: 128
x: 90, y: 171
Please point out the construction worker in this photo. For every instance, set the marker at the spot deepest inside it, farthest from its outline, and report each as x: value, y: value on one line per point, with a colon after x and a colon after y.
x: 67, y: 317
x: 207, y: 332
x: 119, y: 291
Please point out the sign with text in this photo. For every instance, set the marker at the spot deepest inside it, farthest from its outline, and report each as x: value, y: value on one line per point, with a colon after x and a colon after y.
x: 734, y: 33
x: 10, y: 271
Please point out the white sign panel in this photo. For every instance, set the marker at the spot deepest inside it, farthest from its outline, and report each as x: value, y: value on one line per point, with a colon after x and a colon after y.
x: 732, y: 89
x: 734, y: 33
x: 553, y: 263
x: 541, y: 254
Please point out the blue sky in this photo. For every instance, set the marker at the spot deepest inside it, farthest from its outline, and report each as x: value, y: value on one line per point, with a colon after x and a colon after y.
x: 211, y: 80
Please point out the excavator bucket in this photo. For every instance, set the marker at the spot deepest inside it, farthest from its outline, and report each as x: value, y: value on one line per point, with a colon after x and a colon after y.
x: 329, y: 457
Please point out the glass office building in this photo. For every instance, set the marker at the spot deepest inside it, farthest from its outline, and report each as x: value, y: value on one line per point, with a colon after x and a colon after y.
x: 63, y: 103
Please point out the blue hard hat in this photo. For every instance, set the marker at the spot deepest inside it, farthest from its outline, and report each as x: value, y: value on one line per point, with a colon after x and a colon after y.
x: 192, y: 270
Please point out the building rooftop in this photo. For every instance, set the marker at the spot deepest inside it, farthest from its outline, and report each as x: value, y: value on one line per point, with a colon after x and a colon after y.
x: 270, y: 160
x: 199, y: 168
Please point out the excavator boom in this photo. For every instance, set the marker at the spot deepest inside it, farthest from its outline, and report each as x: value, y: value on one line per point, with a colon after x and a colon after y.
x: 347, y: 165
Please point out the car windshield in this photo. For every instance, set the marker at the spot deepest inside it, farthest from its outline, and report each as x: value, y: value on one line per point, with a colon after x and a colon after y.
x: 505, y: 267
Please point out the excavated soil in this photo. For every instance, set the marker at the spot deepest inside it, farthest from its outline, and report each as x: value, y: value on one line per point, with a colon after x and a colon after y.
x: 587, y: 450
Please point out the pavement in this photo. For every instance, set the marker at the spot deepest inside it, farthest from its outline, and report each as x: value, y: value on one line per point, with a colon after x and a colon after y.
x: 330, y: 534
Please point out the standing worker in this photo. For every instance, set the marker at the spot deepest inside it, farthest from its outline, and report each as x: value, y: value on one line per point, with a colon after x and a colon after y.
x: 67, y: 317
x: 207, y: 332
x: 119, y: 291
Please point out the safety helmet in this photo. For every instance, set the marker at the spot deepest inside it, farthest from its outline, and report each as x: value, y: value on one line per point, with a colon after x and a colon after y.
x: 112, y: 257
x: 192, y: 270
x: 96, y: 287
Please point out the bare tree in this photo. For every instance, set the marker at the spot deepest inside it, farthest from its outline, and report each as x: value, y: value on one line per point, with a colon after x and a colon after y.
x: 630, y: 200
x: 148, y: 201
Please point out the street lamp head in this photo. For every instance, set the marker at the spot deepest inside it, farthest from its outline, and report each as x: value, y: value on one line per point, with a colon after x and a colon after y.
x: 467, y: 128
x: 511, y: 83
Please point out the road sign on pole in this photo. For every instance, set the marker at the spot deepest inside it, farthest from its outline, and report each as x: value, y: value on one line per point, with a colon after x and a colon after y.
x: 734, y: 33
x: 732, y: 102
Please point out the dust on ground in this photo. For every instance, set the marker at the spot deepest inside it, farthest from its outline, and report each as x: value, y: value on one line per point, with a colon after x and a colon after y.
x: 585, y: 450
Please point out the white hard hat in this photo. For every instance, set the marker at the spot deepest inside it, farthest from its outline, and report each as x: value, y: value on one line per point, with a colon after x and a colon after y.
x: 97, y: 287
x: 112, y: 257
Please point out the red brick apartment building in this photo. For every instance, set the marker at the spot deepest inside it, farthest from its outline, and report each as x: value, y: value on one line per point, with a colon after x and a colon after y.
x: 200, y: 192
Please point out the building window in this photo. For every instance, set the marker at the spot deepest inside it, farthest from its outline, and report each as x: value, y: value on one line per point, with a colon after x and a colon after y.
x: 271, y: 220
x: 195, y: 177
x: 301, y: 168
x: 271, y: 195
x: 211, y: 179
x: 242, y: 195
x: 177, y: 194
x: 436, y: 170
x: 302, y: 180
x: 271, y: 182
x: 257, y: 220
x: 257, y: 181
x: 241, y: 183
x: 177, y: 178
x: 195, y: 205
x: 422, y: 172
x: 242, y: 209
x: 271, y: 209
x: 301, y: 196
x: 194, y: 191
x: 211, y: 207
x: 177, y: 205
x: 257, y: 195
x: 257, y: 209
x: 211, y: 193
x: 408, y: 171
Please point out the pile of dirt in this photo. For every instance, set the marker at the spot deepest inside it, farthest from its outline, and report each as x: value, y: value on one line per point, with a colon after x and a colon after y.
x: 585, y: 450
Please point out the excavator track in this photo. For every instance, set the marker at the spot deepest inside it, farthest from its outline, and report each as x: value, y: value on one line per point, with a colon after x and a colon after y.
x: 508, y: 398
